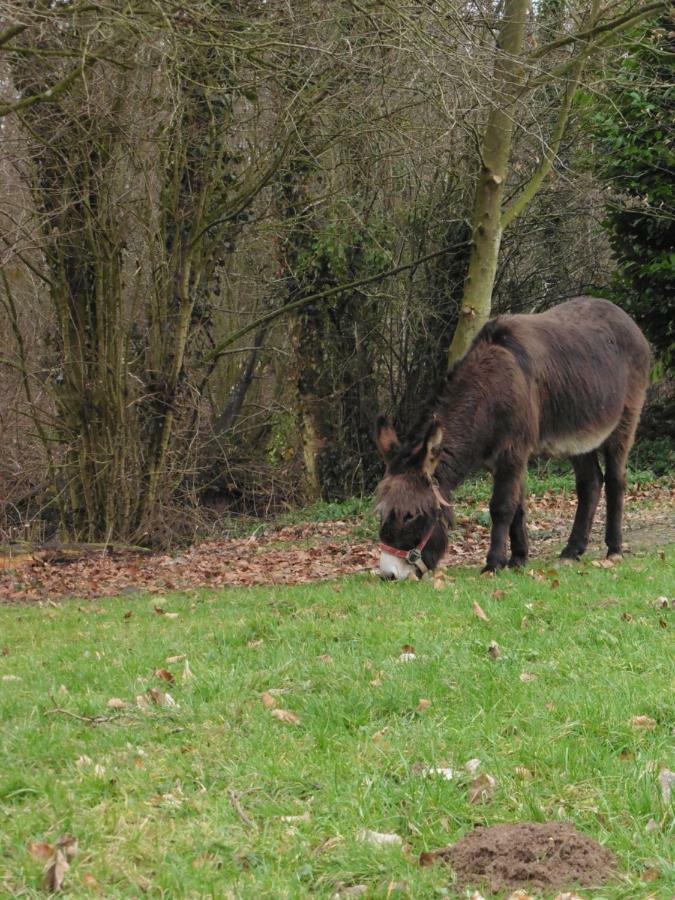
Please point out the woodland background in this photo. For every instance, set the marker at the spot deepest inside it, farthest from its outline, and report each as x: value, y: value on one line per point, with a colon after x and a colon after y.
x: 232, y: 232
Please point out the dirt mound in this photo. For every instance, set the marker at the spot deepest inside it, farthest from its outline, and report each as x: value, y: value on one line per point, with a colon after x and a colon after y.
x: 527, y: 855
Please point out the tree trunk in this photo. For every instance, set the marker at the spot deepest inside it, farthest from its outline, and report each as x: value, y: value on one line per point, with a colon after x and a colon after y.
x: 486, y: 226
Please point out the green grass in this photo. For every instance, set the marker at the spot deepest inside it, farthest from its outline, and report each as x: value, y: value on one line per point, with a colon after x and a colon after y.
x: 158, y: 817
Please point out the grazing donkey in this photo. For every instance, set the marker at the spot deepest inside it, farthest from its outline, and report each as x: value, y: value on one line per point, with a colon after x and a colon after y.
x: 567, y: 382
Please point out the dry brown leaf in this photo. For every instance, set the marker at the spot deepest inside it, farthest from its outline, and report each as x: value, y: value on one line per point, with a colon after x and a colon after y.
x: 325, y: 658
x: 478, y: 612
x: 159, y: 610
x: 482, y: 789
x: 165, y: 675
x: 115, y: 703
x: 498, y: 593
x: 285, y: 715
x: 407, y: 656
x: 644, y: 722
x: 472, y: 766
x: 379, y: 838
x: 268, y: 700
x: 380, y: 734
x: 666, y: 779
x: 376, y: 682
x: 172, y: 660
x: 11, y: 678
x: 68, y: 844
x: 407, y: 648
x: 494, y: 650
x: 171, y: 615
x: 82, y: 761
x: 89, y: 881
x: 142, y: 702
x: 525, y: 677
x: 423, y: 704
x: 568, y: 896
x: 252, y: 645
x: 520, y: 895
x: 161, y: 698
x: 40, y: 850
x: 523, y: 773
x: 55, y: 872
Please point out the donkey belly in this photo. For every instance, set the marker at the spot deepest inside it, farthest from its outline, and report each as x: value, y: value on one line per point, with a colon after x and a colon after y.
x: 575, y: 444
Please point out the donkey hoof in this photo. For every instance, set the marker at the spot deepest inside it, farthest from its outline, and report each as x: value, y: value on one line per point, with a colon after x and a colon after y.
x: 570, y: 554
x: 517, y: 562
x: 616, y: 556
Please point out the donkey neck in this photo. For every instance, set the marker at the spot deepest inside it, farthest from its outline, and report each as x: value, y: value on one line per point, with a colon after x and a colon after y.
x: 464, y: 411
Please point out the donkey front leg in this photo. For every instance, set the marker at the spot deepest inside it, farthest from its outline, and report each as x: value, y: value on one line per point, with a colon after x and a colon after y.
x: 518, y: 533
x: 505, y: 503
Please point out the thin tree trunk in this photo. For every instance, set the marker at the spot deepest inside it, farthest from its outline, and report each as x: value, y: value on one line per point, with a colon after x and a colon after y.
x: 486, y: 226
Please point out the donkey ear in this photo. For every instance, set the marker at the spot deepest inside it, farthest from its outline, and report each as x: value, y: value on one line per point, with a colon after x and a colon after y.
x: 386, y: 441
x: 431, y: 448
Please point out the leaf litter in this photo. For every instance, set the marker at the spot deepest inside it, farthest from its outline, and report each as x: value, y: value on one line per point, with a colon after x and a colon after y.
x: 265, y: 559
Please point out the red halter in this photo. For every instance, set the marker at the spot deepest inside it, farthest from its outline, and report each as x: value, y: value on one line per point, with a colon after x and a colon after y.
x: 414, y: 555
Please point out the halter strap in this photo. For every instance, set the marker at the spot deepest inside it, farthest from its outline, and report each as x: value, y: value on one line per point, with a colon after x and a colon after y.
x: 413, y: 556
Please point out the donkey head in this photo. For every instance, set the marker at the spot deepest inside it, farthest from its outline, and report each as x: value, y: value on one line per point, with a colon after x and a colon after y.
x: 414, y: 517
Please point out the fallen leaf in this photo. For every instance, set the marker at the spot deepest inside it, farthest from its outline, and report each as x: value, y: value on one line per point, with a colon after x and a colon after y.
x: 523, y: 773
x: 568, y: 896
x: 142, y: 702
x: 643, y: 722
x: 171, y: 615
x: 11, y: 678
x: 160, y: 698
x: 253, y: 644
x: 626, y: 617
x: 407, y: 657
x: 115, y: 703
x: 666, y: 779
x: 99, y: 770
x: 494, y: 650
x: 430, y: 771
x: 128, y: 614
x: 68, y: 844
x: 285, y: 715
x: 376, y: 682
x: 520, y: 895
x: 652, y: 825
x: 352, y: 890
x: 651, y: 874
x: 40, y: 850
x: 325, y: 658
x: 478, y: 612
x: 472, y: 766
x: 293, y: 820
x: 268, y: 700
x: 379, y: 838
x: 159, y: 610
x: 423, y: 704
x: 407, y: 648
x: 55, y: 872
x: 380, y: 734
x: 661, y: 603
x: 165, y: 675
x: 82, y: 761
x: 482, y: 789
x: 498, y: 594
x: 89, y: 881
x: 172, y: 660
x: 527, y: 676
x: 476, y: 895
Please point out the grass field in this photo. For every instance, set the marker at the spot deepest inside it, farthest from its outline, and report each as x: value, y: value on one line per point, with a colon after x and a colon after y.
x: 190, y: 800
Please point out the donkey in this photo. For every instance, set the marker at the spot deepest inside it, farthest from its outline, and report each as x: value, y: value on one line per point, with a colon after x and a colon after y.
x: 567, y: 382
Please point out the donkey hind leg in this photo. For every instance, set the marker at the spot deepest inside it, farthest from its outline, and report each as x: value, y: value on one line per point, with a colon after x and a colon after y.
x: 518, y: 534
x: 616, y: 450
x: 506, y: 494
x: 589, y: 487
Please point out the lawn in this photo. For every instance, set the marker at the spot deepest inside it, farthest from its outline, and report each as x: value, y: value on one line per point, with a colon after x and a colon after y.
x: 194, y: 800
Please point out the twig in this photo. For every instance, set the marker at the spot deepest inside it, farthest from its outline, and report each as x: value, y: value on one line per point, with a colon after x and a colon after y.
x: 90, y: 720
x: 239, y: 809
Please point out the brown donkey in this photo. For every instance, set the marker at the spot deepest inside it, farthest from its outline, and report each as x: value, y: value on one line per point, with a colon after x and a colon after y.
x: 567, y: 382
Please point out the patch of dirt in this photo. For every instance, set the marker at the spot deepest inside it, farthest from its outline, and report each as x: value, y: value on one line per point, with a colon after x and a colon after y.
x: 298, y: 554
x: 527, y: 855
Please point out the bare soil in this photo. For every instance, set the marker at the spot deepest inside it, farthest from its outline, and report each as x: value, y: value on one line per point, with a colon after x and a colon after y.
x: 527, y: 855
